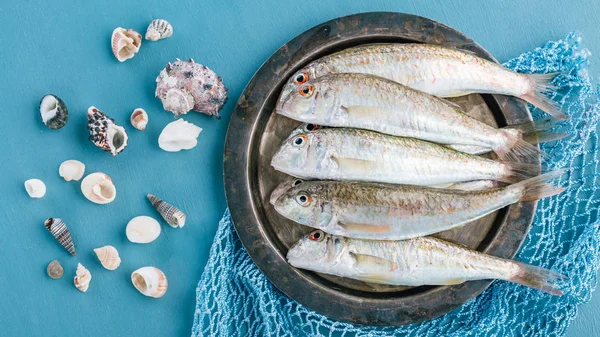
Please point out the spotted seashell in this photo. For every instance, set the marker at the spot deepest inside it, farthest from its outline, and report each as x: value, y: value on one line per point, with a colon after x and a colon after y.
x: 55, y: 270
x: 139, y: 119
x: 150, y: 281
x: 159, y: 29
x: 172, y: 215
x: 61, y: 233
x: 54, y: 112
x: 104, y: 133
x: 125, y: 43
x: 109, y: 257
x: 82, y: 279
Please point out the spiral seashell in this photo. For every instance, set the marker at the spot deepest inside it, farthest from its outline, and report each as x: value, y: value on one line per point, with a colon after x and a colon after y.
x: 61, y: 233
x: 109, y: 257
x: 179, y: 135
x: 98, y: 188
x: 104, y: 133
x: 54, y: 112
x: 55, y: 270
x: 150, y: 281
x: 125, y: 43
x: 139, y: 119
x: 172, y: 215
x: 71, y: 170
x: 142, y: 229
x: 82, y: 279
x: 159, y: 29
x: 35, y: 188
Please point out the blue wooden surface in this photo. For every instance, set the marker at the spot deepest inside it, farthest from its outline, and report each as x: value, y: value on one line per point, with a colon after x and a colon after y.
x: 63, y: 48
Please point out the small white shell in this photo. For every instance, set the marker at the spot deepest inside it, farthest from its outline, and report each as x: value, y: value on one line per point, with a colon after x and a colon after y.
x: 139, y: 119
x: 150, y: 281
x: 98, y: 188
x: 159, y: 29
x: 109, y: 257
x: 71, y: 170
x: 179, y: 135
x: 82, y: 278
x: 35, y: 188
x: 125, y: 43
x: 142, y: 229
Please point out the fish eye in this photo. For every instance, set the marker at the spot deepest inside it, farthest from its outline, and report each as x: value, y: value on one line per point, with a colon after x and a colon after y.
x: 317, y: 235
x: 299, y: 140
x: 311, y: 127
x: 303, y: 199
x: 297, y: 182
x: 301, y: 78
x: 306, y: 90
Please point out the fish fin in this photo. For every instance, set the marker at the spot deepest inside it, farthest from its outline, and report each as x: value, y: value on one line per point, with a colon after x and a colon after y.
x: 362, y: 228
x: 458, y: 94
x: 452, y: 104
x: 538, y: 278
x: 342, y: 113
x: 476, y: 185
x: 453, y: 282
x: 544, y: 137
x: 374, y: 278
x: 470, y: 149
x: 542, y: 85
x: 518, y: 171
x: 371, y: 268
x: 536, y: 188
x: 537, y: 132
x: 514, y: 148
x: 350, y: 164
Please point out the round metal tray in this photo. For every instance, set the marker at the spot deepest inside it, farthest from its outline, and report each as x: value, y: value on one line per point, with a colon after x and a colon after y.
x: 255, y: 133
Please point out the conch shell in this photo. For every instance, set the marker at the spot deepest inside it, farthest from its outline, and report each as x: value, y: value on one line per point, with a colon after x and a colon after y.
x: 61, y: 233
x: 98, y: 188
x: 125, y: 43
x: 159, y: 29
x: 179, y: 135
x: 109, y: 257
x: 35, y: 188
x: 71, y: 170
x: 139, y: 119
x: 172, y: 215
x: 150, y: 281
x: 104, y: 133
x: 82, y: 278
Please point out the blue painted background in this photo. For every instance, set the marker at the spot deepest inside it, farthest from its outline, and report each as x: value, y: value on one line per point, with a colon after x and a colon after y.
x: 63, y: 48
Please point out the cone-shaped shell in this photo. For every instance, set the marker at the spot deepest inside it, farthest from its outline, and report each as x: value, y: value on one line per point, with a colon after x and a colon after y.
x: 109, y: 257
x: 172, y: 215
x: 82, y: 279
x: 150, y: 281
x: 61, y: 233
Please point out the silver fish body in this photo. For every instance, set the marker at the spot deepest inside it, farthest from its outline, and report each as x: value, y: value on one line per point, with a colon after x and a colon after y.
x: 413, y: 262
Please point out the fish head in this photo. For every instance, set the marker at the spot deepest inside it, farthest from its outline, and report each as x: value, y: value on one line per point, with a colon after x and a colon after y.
x: 315, y: 251
x: 306, y: 204
x: 305, y: 128
x: 283, y: 187
x: 298, y: 155
x: 311, y: 71
x: 312, y: 102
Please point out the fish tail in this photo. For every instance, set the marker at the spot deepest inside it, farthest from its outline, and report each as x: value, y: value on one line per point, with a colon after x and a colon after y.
x: 538, y: 278
x: 517, y: 171
x: 541, y: 85
x: 515, y: 148
x: 537, y: 188
x: 537, y: 132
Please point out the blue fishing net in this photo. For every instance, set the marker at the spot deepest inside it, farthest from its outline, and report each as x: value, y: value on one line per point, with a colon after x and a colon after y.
x: 235, y: 298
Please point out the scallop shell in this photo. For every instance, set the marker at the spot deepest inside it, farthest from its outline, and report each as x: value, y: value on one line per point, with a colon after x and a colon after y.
x: 54, y: 112
x: 150, y: 281
x: 55, y: 270
x: 82, y: 279
x: 71, y: 170
x: 61, y: 233
x: 159, y: 29
x: 104, y: 133
x: 172, y: 215
x: 109, y: 257
x: 179, y: 135
x: 125, y: 43
x: 98, y: 188
x: 35, y: 188
x: 185, y: 85
x: 139, y: 119
x: 142, y: 229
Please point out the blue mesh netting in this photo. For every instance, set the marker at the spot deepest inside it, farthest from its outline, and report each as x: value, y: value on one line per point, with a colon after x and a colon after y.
x: 235, y: 298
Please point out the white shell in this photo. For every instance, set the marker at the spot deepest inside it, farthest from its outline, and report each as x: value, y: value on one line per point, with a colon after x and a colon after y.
x: 35, y: 188
x: 159, y: 29
x: 179, y: 135
x: 98, y: 188
x: 125, y: 43
x: 139, y: 119
x: 82, y: 278
x: 71, y: 170
x: 142, y: 229
x: 150, y: 281
x: 109, y: 257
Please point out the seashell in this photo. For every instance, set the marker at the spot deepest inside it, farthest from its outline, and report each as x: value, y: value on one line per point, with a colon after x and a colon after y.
x: 98, y: 188
x: 104, y: 133
x: 54, y: 112
x: 139, y: 119
x: 55, y: 270
x: 179, y: 135
x: 172, y: 215
x: 185, y: 85
x: 35, y: 188
x: 159, y: 29
x: 125, y: 43
x: 150, y: 281
x: 71, y: 170
x: 109, y: 257
x: 61, y: 233
x: 142, y: 229
x: 82, y: 279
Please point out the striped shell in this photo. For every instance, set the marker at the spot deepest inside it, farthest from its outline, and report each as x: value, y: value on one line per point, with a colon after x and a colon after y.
x: 139, y: 119
x: 159, y: 29
x: 61, y: 233
x: 172, y: 215
x: 150, y: 281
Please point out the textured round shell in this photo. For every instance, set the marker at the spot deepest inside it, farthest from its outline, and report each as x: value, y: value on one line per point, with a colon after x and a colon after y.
x: 159, y: 29
x: 185, y: 85
x: 54, y: 112
x: 109, y: 257
x: 55, y: 270
x: 150, y: 281
x: 98, y: 188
